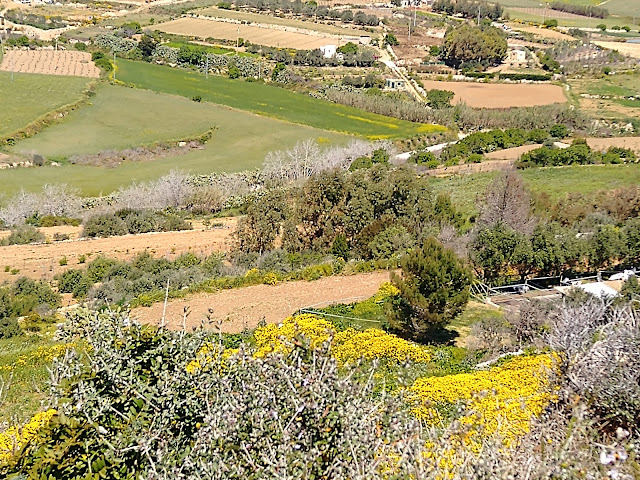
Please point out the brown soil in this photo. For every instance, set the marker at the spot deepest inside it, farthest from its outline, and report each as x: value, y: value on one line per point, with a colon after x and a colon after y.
x: 42, y: 261
x: 632, y: 143
x: 50, y: 62
x: 541, y: 32
x: 237, y: 309
x: 630, y: 49
x: 470, y: 168
x: 259, y: 35
x: 511, y: 153
x: 499, y: 95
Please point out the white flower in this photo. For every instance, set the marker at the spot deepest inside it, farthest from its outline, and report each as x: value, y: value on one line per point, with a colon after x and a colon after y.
x: 607, y: 458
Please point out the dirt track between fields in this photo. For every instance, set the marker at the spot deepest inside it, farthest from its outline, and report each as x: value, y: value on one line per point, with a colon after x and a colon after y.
x: 236, y: 309
x: 42, y: 261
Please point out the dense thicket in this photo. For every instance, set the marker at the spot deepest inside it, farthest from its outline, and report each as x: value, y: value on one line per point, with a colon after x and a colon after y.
x: 468, y: 46
x: 469, y: 9
x: 586, y: 10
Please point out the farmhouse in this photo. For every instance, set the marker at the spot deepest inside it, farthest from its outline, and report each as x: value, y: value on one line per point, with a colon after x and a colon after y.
x: 329, y: 51
x: 395, y: 84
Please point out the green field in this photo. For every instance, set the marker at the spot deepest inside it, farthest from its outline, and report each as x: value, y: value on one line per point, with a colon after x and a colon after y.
x: 556, y: 182
x: 620, y: 8
x: 30, y: 96
x: 269, y: 101
x: 287, y: 22
x: 121, y: 117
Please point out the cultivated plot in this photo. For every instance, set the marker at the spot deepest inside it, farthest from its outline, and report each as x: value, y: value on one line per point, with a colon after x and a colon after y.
x: 50, y: 62
x: 121, y: 118
x: 500, y: 95
x: 281, y: 22
x: 27, y: 97
x: 270, y: 101
x: 202, y: 28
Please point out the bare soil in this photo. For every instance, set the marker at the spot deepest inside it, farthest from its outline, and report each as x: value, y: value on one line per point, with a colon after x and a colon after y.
x: 50, y: 62
x: 499, y: 95
x: 272, y: 37
x: 240, y: 308
x: 541, y: 32
x: 42, y: 261
x: 511, y: 153
x: 629, y: 49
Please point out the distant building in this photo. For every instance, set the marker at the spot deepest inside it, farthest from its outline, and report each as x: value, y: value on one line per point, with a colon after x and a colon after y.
x: 395, y: 84
x: 517, y: 55
x: 329, y: 51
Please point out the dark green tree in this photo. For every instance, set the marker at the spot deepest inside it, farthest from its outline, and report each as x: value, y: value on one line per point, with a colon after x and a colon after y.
x: 434, y: 289
x: 471, y: 45
x: 147, y: 46
x: 439, y: 98
x: 390, y: 39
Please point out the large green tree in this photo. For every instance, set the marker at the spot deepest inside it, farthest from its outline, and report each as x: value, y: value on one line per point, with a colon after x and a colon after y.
x: 475, y: 46
x: 434, y: 288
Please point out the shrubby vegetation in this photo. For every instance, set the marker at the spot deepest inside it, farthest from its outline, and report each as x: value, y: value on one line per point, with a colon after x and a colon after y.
x: 586, y: 10
x: 23, y: 235
x: 25, y: 297
x: 131, y: 221
x: 579, y: 153
x: 469, y: 9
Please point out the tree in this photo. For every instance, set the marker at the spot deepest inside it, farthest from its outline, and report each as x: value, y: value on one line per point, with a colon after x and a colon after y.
x: 478, y: 46
x: 147, y: 46
x: 434, y: 288
x: 439, y: 98
x: 348, y: 48
x: 390, y: 39
x: 508, y: 202
x: 601, y: 27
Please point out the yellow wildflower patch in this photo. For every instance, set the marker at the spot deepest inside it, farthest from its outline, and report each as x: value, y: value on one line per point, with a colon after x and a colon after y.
x: 38, y: 356
x: 347, y: 346
x: 17, y: 437
x: 503, y: 399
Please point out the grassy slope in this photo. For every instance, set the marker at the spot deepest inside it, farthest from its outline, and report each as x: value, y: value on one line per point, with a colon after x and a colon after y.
x: 121, y: 117
x: 556, y: 182
x: 26, y: 383
x: 618, y: 8
x: 31, y: 96
x: 268, y: 101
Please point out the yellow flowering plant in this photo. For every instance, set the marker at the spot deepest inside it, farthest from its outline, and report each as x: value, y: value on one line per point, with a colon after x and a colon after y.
x: 16, y: 437
x: 499, y: 401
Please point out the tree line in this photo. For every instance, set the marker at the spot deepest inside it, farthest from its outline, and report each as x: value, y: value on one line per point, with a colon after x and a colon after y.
x: 586, y: 10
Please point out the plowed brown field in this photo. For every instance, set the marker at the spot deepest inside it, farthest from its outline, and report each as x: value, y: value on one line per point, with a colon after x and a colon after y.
x: 234, y: 310
x: 42, y: 261
x: 499, y: 95
x: 50, y: 62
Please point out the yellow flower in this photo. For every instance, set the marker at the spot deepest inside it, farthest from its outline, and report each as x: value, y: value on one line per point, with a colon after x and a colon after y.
x: 17, y: 437
x: 501, y: 400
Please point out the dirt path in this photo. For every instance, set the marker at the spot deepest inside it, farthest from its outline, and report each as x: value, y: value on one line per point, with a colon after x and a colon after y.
x: 246, y: 307
x: 42, y: 261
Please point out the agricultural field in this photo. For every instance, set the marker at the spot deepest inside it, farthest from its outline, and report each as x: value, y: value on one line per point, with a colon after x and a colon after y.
x: 269, y: 101
x: 203, y: 28
x: 29, y: 97
x: 279, y: 21
x: 615, y: 87
x: 243, y: 308
x: 50, y: 62
x: 541, y: 32
x: 625, y: 48
x: 42, y: 261
x: 120, y: 118
x: 499, y: 95
x: 556, y: 182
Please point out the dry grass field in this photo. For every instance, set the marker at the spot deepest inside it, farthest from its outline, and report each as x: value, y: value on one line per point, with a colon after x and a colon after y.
x: 50, y: 62
x: 42, y: 261
x: 242, y: 308
x: 293, y: 23
x: 201, y: 28
x: 499, y: 95
x: 541, y: 32
x: 630, y: 49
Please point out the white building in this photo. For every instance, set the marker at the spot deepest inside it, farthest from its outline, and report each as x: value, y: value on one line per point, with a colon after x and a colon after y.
x: 329, y: 51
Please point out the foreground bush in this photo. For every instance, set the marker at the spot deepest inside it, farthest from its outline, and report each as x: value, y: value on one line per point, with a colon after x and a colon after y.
x: 132, y: 221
